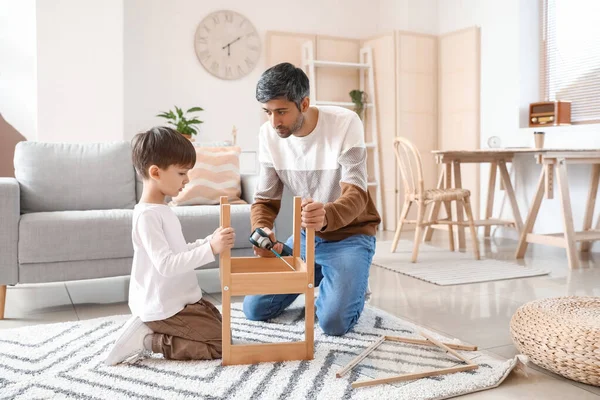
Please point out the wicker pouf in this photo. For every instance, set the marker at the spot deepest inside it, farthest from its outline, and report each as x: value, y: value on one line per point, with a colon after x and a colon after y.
x: 561, y: 335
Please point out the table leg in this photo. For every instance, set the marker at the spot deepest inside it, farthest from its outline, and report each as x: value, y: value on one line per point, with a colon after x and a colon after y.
x: 434, y: 211
x: 567, y: 213
x: 591, y: 204
x: 489, y: 211
x: 459, y: 210
x: 533, y: 213
x: 510, y: 192
x: 448, y: 206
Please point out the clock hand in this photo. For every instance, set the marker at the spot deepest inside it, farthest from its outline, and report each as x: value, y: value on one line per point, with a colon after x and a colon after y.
x: 230, y: 43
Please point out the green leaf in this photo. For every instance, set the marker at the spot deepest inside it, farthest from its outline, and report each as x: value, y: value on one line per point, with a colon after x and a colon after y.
x: 179, y: 112
x: 194, y: 121
x: 166, y: 116
x: 194, y: 109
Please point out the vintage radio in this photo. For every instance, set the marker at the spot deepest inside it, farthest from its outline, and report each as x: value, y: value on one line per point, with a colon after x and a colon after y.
x: 550, y: 113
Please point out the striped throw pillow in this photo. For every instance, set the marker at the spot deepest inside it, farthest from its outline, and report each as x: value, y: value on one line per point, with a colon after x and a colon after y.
x: 216, y: 174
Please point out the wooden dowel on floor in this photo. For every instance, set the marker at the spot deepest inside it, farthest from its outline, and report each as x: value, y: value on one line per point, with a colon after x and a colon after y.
x: 446, y: 348
x: 360, y: 357
x: 411, y: 377
x: 428, y: 343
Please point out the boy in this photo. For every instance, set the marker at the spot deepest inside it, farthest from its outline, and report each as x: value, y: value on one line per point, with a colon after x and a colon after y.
x: 169, y: 314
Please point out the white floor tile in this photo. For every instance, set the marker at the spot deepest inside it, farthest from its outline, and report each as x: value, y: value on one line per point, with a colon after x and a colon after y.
x: 99, y: 291
x: 36, y: 298
x: 89, y: 311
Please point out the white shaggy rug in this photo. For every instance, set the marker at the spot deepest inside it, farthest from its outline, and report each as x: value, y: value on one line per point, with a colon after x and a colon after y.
x: 444, y: 267
x: 65, y: 361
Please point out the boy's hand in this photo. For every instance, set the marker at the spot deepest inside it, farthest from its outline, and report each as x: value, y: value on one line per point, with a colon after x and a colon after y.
x: 313, y: 214
x: 278, y: 247
x: 222, y: 240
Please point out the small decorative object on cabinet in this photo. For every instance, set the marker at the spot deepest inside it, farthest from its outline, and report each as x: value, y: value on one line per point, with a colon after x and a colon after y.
x: 182, y: 122
x: 234, y: 135
x: 494, y: 142
x: 538, y: 139
x: 550, y: 113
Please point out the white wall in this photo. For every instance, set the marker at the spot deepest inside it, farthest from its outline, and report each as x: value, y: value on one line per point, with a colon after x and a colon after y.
x: 80, y: 70
x: 161, y: 68
x: 18, y: 92
x: 408, y: 15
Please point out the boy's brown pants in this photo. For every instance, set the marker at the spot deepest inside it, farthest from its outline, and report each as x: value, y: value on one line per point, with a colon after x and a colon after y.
x: 194, y: 333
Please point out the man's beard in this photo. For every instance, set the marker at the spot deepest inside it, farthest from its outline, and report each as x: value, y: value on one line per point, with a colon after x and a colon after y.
x: 285, y: 132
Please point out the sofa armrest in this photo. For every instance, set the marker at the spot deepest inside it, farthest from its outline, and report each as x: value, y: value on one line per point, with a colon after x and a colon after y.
x: 10, y: 212
x: 249, y: 182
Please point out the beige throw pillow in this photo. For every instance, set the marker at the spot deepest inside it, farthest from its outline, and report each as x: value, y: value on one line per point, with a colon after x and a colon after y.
x: 216, y: 174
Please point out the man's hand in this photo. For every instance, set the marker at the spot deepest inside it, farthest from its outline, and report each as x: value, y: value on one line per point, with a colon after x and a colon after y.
x: 278, y: 247
x: 313, y: 214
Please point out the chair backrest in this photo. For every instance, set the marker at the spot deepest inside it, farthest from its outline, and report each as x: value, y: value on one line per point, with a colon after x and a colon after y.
x: 410, y: 165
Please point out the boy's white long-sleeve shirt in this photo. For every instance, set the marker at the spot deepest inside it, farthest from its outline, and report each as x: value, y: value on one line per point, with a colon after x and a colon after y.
x: 163, y: 280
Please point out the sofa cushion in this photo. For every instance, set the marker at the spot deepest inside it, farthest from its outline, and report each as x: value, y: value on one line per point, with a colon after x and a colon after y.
x: 64, y: 177
x: 106, y: 234
x: 75, y: 235
x: 201, y: 221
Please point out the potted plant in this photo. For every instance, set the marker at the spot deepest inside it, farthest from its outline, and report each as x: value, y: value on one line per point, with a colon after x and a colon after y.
x: 358, y: 98
x: 184, y: 124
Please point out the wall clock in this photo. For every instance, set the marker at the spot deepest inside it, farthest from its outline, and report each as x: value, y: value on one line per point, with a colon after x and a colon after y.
x: 227, y: 44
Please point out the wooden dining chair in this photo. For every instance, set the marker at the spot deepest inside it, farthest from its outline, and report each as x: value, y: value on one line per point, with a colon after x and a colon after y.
x: 411, y: 171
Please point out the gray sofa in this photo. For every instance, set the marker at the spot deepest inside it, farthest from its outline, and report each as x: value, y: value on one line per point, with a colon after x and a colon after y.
x: 67, y: 214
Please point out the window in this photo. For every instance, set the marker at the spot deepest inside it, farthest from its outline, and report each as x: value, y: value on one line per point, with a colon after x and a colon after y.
x: 570, y: 56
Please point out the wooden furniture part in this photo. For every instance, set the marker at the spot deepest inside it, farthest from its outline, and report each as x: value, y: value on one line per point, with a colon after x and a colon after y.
x: 452, y: 161
x: 2, y: 300
x: 430, y: 341
x: 411, y: 170
x: 555, y: 163
x: 253, y: 275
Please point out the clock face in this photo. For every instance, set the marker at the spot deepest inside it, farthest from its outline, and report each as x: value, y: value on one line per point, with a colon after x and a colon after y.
x: 494, y: 142
x: 227, y: 45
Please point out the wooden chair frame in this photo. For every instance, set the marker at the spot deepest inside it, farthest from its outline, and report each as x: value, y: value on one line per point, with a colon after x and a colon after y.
x: 411, y: 171
x: 254, y: 275
x: 430, y: 341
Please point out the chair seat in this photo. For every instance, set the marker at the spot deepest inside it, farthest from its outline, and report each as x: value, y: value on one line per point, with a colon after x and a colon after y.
x: 444, y: 194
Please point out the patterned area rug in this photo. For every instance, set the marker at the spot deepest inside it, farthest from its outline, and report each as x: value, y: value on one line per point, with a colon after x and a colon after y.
x: 442, y: 267
x: 65, y: 361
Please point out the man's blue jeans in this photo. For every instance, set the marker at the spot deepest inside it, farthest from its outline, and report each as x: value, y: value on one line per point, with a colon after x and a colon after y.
x: 342, y: 274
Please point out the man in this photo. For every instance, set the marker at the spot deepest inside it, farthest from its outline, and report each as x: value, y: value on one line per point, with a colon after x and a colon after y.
x: 319, y: 154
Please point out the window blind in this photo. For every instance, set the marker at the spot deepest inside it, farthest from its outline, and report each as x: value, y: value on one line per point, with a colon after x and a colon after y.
x: 570, y: 56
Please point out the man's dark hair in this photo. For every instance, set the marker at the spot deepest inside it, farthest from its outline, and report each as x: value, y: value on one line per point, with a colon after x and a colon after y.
x: 283, y: 80
x: 163, y: 147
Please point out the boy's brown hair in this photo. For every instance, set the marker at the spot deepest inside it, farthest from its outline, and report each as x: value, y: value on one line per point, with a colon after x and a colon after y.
x: 161, y: 146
